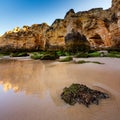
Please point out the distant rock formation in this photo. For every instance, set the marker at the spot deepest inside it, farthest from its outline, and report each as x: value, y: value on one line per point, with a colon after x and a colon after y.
x: 96, y: 28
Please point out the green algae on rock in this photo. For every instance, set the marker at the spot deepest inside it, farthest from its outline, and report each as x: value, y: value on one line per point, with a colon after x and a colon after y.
x: 66, y: 59
x: 82, y: 94
x: 83, y: 61
x: 44, y: 55
x: 19, y: 54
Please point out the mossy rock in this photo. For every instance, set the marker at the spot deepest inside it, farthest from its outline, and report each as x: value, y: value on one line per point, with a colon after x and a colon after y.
x: 63, y: 53
x: 19, y: 54
x: 48, y: 57
x: 35, y: 56
x: 113, y: 54
x: 96, y: 62
x: 66, y: 59
x: 1, y: 55
x: 94, y: 54
x: 79, y: 93
x: 81, y: 55
x: 83, y: 61
x: 44, y: 56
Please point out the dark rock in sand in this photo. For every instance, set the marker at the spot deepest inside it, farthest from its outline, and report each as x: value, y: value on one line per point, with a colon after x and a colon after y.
x: 82, y: 94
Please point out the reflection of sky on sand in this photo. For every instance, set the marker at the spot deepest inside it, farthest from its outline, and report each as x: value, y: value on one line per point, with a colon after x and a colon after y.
x: 31, y: 90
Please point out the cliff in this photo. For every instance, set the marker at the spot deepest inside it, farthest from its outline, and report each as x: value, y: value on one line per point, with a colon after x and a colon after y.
x: 30, y: 38
x: 96, y: 28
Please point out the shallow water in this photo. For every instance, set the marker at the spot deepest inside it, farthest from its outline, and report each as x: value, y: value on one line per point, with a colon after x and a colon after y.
x: 30, y: 90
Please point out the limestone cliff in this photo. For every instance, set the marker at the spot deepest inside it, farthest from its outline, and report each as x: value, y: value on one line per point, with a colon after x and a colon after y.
x: 96, y: 28
x: 114, y: 27
x: 25, y: 38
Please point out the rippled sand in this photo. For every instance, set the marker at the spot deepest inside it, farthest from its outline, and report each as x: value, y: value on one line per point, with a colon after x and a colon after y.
x: 30, y: 90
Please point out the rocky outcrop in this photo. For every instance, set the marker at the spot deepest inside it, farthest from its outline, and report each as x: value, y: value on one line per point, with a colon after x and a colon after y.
x: 76, y: 41
x: 96, y: 28
x: 115, y: 25
x: 26, y: 38
x: 82, y: 94
x: 55, y: 35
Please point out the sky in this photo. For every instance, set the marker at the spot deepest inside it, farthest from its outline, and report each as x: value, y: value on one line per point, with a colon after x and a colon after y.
x: 27, y: 12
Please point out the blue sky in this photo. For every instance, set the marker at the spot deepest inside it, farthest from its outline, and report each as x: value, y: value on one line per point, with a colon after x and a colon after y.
x: 27, y: 12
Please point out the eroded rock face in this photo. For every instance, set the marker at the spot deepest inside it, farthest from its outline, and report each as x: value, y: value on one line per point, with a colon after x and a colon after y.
x: 30, y: 38
x: 92, y: 24
x: 55, y: 35
x: 76, y: 41
x: 115, y: 25
x: 100, y: 28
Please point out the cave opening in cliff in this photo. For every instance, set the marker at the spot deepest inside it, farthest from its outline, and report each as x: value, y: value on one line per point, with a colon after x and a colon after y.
x: 96, y: 40
x: 76, y: 41
x: 75, y: 36
x: 96, y: 36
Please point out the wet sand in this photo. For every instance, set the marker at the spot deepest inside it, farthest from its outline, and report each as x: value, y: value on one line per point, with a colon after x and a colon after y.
x: 30, y: 89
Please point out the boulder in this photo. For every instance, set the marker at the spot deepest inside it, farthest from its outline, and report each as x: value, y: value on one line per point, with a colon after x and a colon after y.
x: 76, y: 41
x: 82, y: 94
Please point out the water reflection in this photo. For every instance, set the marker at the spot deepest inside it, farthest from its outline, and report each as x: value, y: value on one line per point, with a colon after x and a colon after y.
x: 22, y: 75
x: 37, y: 86
x: 33, y: 77
x: 36, y: 77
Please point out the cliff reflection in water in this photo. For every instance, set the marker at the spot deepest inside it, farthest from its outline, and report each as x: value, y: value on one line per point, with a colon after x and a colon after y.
x: 22, y: 76
x: 33, y: 77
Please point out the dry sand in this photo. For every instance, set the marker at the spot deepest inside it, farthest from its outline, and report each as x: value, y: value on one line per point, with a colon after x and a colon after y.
x: 30, y: 90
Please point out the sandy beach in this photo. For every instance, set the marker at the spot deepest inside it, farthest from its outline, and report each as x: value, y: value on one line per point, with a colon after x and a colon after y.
x: 30, y: 89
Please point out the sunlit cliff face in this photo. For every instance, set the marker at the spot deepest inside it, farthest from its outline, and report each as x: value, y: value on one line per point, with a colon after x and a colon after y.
x: 118, y: 15
x: 17, y: 29
x: 25, y: 28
